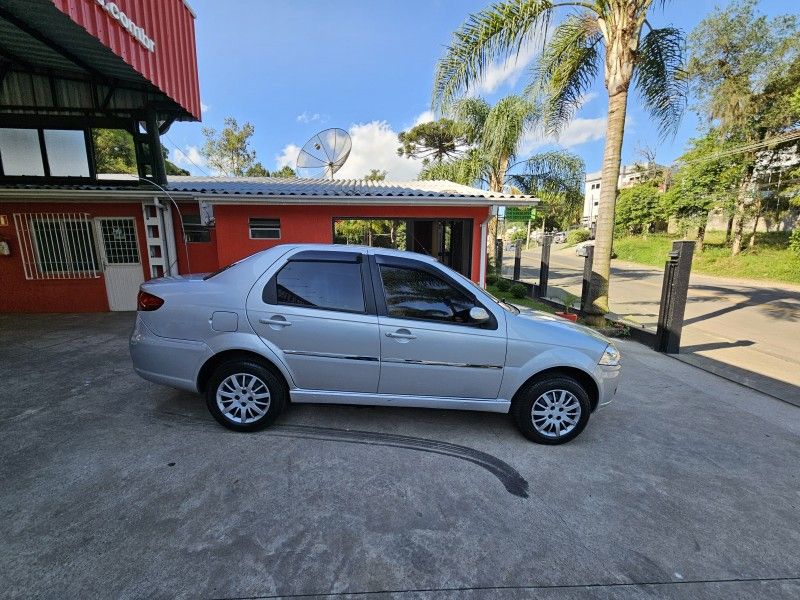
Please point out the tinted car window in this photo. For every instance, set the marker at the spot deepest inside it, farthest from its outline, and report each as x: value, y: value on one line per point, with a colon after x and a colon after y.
x: 329, y: 285
x: 417, y: 294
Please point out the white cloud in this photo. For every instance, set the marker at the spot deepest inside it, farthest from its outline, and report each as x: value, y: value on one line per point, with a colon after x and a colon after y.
x: 424, y: 117
x: 506, y: 72
x: 287, y: 157
x: 204, y: 107
x: 306, y: 117
x: 189, y: 158
x: 579, y: 131
x: 374, y: 147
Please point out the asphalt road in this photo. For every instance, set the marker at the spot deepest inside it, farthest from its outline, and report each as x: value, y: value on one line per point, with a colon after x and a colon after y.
x: 748, y: 329
x: 686, y: 486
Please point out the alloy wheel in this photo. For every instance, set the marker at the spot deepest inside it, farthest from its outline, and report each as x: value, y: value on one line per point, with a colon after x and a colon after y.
x: 555, y: 413
x: 243, y: 398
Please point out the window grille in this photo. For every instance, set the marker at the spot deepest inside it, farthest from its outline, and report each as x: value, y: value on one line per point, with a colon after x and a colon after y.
x: 56, y: 245
x: 265, y: 229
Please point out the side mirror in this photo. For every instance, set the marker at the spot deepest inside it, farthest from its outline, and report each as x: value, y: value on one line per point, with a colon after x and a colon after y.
x: 478, y: 314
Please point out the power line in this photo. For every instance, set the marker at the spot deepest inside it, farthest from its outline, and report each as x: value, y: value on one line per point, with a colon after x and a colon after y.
x: 778, y: 139
x: 186, y: 156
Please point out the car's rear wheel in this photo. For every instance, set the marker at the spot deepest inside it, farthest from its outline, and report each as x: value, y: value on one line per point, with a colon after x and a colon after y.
x: 245, y: 396
x: 552, y: 410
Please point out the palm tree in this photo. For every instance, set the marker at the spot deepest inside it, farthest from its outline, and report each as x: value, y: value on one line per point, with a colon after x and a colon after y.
x: 556, y: 178
x: 498, y: 131
x: 612, y: 34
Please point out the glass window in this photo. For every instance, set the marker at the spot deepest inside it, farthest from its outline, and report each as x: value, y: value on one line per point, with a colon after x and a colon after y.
x: 329, y: 285
x: 416, y: 294
x: 66, y: 153
x: 194, y: 230
x: 265, y: 229
x: 20, y: 152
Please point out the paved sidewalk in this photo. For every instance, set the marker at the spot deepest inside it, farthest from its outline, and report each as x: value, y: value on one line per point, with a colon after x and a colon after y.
x: 686, y: 486
x: 742, y: 329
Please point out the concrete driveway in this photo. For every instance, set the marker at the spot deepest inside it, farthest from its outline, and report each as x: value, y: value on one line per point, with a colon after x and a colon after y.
x: 742, y: 329
x: 686, y: 486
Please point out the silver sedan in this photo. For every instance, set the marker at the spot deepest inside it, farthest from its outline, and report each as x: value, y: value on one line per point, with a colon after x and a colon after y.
x: 358, y: 325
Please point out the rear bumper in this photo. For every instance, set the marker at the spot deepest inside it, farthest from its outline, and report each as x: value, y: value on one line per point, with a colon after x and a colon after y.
x: 607, y: 381
x: 167, y: 361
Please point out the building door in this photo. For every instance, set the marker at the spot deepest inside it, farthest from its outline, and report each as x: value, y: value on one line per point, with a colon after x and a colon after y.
x: 122, y: 266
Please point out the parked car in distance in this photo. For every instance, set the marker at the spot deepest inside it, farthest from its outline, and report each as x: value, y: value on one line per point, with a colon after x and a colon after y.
x: 359, y: 325
x: 560, y: 237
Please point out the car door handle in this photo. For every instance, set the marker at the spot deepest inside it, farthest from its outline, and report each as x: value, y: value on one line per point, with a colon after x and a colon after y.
x: 400, y: 335
x: 283, y: 322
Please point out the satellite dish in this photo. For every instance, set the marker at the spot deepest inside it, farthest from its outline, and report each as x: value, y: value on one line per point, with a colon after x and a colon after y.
x: 324, y: 154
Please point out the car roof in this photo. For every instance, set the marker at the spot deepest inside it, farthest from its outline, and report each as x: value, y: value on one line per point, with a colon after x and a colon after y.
x: 359, y: 248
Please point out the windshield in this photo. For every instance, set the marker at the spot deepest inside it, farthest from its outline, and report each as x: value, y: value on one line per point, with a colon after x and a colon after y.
x: 471, y: 284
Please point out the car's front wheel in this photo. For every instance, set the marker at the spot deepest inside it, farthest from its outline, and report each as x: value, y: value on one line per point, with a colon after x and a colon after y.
x: 245, y: 396
x: 552, y: 410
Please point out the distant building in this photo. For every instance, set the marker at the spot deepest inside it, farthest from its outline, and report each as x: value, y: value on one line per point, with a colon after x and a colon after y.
x: 629, y: 175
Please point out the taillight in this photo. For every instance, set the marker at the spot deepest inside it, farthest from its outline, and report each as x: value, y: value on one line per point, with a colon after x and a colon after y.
x: 145, y: 301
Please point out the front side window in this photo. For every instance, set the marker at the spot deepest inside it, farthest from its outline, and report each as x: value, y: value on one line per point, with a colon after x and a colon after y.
x: 320, y: 284
x: 265, y: 229
x: 417, y: 294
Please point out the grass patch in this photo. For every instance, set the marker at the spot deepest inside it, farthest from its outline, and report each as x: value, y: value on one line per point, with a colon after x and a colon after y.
x: 526, y: 302
x: 770, y: 260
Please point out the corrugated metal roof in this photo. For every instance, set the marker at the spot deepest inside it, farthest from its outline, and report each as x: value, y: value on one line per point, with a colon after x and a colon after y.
x: 277, y: 187
x: 293, y: 190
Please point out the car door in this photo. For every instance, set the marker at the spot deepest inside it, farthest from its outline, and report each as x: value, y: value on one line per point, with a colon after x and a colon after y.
x: 429, y: 347
x: 317, y: 311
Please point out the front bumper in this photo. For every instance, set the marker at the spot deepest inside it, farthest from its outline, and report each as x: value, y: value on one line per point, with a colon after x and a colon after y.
x: 607, y: 379
x: 167, y: 361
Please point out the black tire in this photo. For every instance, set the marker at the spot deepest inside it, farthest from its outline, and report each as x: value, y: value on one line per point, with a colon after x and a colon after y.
x: 278, y: 396
x: 521, y: 408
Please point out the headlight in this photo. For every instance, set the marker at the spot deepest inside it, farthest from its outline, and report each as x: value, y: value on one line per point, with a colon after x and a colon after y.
x: 610, y: 357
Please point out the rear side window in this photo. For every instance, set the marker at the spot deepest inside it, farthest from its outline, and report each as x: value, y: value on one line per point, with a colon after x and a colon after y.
x: 416, y: 294
x: 326, y: 285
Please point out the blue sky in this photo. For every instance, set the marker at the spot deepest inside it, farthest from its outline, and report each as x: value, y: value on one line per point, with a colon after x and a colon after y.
x: 293, y: 68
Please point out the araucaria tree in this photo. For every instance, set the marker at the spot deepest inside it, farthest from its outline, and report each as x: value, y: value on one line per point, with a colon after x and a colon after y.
x: 612, y: 35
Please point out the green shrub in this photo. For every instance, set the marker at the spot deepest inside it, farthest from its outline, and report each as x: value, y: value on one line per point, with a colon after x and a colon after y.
x: 491, y: 279
x: 576, y: 236
x: 503, y: 285
x: 519, y: 235
x: 518, y: 290
x: 794, y: 241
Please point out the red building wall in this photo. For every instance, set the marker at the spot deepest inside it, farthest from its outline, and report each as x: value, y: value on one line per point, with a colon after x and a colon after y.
x: 314, y: 224
x: 202, y: 256
x: 21, y: 295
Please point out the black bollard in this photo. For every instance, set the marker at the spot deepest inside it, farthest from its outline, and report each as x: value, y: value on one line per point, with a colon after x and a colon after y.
x: 517, y: 261
x: 587, y: 252
x: 544, y: 269
x: 674, y: 291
